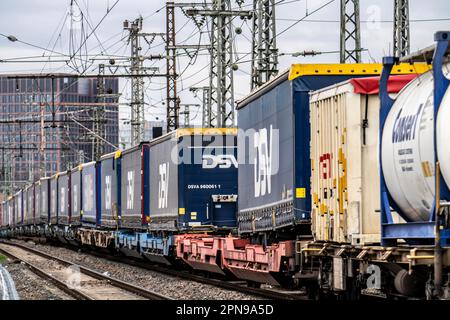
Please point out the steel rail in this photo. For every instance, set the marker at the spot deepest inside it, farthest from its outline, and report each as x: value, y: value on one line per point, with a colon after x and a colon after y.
x: 87, y: 271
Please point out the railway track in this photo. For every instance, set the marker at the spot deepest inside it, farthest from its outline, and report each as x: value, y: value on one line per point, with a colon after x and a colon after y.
x: 239, y: 286
x: 78, y: 281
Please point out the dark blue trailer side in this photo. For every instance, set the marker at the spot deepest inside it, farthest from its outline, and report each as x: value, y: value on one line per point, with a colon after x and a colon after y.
x: 64, y: 198
x: 75, y: 195
x: 44, y: 201
x: 110, y: 189
x: 134, y: 185
x: 54, y: 201
x: 89, y: 193
x: 18, y: 207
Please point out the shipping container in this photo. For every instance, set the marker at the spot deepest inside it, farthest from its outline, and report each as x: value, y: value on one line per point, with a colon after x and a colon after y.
x: 64, y: 197
x: 2, y: 215
x: 28, y: 205
x: 44, y: 200
x: 18, y: 208
x: 134, y: 185
x: 193, y: 179
x: 11, y: 211
x: 344, y: 122
x: 54, y: 199
x: 75, y: 195
x: 273, y: 144
x: 414, y: 139
x: 31, y: 207
x: 110, y: 189
x: 89, y: 193
x: 37, y: 203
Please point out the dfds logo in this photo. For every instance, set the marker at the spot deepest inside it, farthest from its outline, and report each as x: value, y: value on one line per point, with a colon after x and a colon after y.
x: 88, y: 197
x: 223, y: 161
x: 108, y: 192
x: 130, y: 189
x: 264, y: 143
x: 163, y: 185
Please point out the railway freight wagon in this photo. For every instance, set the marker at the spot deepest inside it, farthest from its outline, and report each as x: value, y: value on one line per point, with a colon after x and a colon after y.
x: 415, y: 180
x: 134, y: 187
x: 90, y: 200
x: 274, y: 202
x: 107, y: 199
x: 412, y: 261
x: 344, y: 179
x: 344, y: 122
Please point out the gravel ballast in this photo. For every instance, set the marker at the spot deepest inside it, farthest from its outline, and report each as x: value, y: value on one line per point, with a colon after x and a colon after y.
x: 173, y: 287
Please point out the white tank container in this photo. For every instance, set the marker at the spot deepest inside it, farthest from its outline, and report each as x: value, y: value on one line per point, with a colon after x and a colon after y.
x: 408, y: 148
x: 443, y: 136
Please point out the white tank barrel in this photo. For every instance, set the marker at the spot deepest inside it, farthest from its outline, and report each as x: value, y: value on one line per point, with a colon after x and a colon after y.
x: 408, y: 147
x: 443, y: 136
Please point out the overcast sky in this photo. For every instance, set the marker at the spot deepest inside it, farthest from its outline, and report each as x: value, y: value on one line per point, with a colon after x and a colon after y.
x: 49, y: 24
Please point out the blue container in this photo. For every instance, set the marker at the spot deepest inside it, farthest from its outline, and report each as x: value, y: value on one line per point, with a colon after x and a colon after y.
x: 273, y: 146
x: 54, y: 199
x: 134, y: 187
x: 64, y: 198
x: 89, y: 194
x: 193, y: 180
x: 110, y: 201
x: 18, y: 208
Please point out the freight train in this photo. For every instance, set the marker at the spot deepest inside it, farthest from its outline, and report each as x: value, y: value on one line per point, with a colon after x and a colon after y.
x: 335, y: 190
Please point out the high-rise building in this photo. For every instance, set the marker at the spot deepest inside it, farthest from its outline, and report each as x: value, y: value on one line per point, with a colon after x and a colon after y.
x: 40, y: 136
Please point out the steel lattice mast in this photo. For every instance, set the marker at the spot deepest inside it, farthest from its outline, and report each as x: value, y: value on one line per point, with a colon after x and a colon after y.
x: 99, y: 116
x: 173, y: 103
x: 401, y: 28
x: 221, y: 95
x: 264, y: 48
x: 221, y: 74
x: 137, y: 82
x: 350, y: 46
